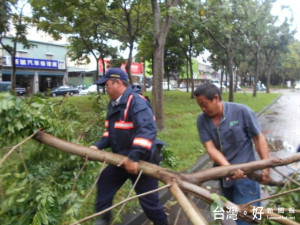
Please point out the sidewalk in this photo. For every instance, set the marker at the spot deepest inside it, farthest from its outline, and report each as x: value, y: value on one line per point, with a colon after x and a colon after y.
x: 280, y: 124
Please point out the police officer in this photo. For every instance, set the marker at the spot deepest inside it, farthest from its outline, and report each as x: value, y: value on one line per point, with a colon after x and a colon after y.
x: 130, y: 131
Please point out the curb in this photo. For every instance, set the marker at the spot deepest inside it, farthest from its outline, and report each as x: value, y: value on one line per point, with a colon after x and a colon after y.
x: 268, y: 106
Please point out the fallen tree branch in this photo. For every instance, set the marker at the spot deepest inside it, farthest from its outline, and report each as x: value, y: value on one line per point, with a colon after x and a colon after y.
x: 248, y: 168
x: 16, y: 146
x: 287, y: 177
x: 273, y: 196
x: 186, y: 205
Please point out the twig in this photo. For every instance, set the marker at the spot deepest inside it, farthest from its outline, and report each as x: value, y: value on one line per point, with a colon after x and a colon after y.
x: 287, y: 177
x: 273, y: 196
x: 130, y: 192
x: 118, y: 204
x: 22, y: 158
x: 92, y: 188
x: 2, y: 192
x: 4, y: 148
x: 177, y: 216
x: 13, y: 148
x: 61, y: 102
x: 75, y: 180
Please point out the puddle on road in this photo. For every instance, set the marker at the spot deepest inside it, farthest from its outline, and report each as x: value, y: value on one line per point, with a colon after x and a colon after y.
x: 282, y: 149
x: 279, y: 145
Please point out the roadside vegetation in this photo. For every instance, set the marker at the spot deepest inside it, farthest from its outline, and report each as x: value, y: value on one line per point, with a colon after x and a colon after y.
x: 40, y: 185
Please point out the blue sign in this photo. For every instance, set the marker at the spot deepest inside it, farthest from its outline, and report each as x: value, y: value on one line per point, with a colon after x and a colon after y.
x: 36, y: 63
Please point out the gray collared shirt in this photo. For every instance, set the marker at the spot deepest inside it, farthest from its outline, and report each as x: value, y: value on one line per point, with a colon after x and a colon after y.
x: 233, y: 136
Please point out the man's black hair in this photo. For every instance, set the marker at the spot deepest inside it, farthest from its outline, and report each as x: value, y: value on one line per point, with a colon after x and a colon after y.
x: 208, y: 90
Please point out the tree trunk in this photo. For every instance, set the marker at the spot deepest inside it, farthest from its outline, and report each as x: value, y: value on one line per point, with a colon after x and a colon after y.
x: 191, y: 73
x: 255, y: 75
x: 160, y: 34
x: 128, y: 64
x: 14, y: 69
x: 230, y: 71
x: 268, y: 79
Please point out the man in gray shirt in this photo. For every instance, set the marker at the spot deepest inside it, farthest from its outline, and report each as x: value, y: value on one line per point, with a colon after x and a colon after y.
x: 227, y: 130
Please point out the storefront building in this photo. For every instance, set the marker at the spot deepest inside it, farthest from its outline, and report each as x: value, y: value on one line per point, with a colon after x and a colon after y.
x: 38, y: 68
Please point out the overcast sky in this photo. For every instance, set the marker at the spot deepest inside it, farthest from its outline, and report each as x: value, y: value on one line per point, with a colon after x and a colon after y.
x: 288, y: 13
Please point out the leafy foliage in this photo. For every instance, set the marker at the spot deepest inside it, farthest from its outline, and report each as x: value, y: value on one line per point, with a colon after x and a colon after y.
x: 289, y: 202
x: 37, y: 187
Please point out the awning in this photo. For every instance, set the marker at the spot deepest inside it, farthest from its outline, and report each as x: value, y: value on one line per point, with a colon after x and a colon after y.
x: 8, y: 72
x: 50, y: 74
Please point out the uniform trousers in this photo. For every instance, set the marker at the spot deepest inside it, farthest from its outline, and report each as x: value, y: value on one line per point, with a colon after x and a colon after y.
x: 111, y: 180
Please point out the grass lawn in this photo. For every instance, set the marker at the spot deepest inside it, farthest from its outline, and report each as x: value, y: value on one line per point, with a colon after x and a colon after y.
x: 180, y: 120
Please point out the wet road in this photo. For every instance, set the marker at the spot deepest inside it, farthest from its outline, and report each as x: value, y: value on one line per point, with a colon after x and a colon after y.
x: 281, y: 122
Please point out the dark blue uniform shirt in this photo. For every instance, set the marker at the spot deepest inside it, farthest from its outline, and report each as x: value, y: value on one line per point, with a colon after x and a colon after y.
x: 130, y: 127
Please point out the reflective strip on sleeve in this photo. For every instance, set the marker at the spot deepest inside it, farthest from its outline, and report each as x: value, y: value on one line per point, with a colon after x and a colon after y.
x: 106, y: 123
x: 123, y: 125
x: 146, y: 143
x: 105, y: 134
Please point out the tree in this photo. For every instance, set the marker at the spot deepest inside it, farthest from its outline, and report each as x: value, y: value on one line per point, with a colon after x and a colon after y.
x: 5, y: 11
x: 95, y: 23
x: 86, y: 36
x: 223, y: 22
x: 15, y: 16
x: 188, y: 37
x: 276, y: 43
x: 260, y: 19
x: 160, y: 31
x: 127, y: 20
x: 291, y: 61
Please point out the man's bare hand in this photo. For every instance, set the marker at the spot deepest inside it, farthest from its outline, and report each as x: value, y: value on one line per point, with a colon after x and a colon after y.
x: 130, y: 166
x: 239, y: 174
x: 94, y: 147
x: 265, y: 175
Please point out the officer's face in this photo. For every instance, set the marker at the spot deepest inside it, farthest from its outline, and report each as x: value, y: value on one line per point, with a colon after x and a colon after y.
x: 209, y: 107
x: 112, y: 89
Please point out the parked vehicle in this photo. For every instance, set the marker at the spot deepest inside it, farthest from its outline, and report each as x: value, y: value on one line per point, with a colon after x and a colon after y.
x: 20, y: 90
x: 90, y: 89
x: 297, y: 87
x: 6, y: 86
x: 218, y: 85
x: 62, y: 90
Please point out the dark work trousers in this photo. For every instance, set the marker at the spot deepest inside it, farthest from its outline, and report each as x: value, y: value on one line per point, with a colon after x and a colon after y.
x: 241, y: 191
x: 111, y: 180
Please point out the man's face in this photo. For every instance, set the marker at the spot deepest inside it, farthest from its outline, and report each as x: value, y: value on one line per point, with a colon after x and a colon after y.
x: 112, y: 89
x: 210, y: 108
